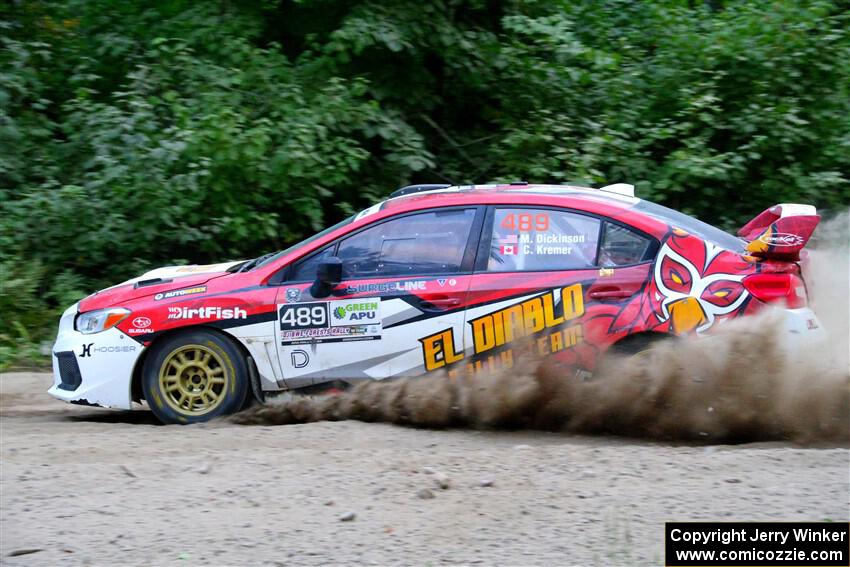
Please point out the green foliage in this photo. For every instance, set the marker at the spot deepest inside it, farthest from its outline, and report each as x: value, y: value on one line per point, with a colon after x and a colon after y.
x: 21, y: 310
x: 718, y: 113
x: 135, y: 134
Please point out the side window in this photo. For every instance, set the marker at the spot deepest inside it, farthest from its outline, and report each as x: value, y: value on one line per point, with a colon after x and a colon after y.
x: 528, y: 240
x: 621, y: 246
x: 305, y: 270
x: 421, y: 244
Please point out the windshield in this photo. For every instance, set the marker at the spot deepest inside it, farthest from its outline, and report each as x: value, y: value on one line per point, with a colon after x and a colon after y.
x: 294, y: 247
x: 694, y: 226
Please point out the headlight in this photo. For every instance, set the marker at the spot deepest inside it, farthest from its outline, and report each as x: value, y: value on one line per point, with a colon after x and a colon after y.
x: 97, y: 321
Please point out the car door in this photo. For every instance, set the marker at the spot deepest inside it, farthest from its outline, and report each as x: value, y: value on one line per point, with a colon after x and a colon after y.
x: 553, y: 277
x: 405, y: 281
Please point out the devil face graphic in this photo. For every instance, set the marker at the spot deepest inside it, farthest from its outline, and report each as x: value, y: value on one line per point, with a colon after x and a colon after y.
x: 695, y: 282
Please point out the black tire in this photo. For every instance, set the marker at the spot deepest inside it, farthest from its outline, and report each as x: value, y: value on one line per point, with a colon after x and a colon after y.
x: 195, y: 376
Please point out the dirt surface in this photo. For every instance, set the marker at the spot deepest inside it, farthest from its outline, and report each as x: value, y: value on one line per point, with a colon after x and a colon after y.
x: 94, y: 487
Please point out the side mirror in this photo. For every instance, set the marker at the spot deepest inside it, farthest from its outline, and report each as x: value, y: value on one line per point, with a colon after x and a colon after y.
x: 328, y: 274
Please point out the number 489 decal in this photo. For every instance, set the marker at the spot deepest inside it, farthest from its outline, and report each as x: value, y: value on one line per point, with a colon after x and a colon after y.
x: 526, y: 222
x: 303, y: 316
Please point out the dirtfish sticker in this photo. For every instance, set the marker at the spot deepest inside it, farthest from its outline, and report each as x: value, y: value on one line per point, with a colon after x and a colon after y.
x: 206, y: 313
x: 543, y: 316
x: 350, y: 312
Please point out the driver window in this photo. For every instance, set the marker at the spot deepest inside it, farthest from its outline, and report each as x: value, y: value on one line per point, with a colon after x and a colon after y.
x: 429, y: 243
x: 305, y: 270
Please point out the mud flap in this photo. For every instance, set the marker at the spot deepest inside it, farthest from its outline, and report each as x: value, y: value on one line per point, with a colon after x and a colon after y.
x: 256, y: 388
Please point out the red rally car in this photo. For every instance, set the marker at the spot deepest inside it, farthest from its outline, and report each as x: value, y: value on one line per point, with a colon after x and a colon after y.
x: 434, y: 279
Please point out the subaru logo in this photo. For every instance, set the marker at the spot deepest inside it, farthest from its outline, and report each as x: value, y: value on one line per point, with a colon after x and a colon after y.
x: 141, y: 322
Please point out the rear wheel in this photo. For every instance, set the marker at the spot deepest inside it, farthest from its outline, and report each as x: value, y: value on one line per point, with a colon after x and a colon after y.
x: 637, y: 345
x: 195, y: 376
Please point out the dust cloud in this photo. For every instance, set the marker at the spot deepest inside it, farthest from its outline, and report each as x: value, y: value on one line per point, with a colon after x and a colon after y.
x: 750, y: 381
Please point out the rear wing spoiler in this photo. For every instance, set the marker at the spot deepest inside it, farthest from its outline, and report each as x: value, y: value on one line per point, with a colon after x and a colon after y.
x: 781, y: 231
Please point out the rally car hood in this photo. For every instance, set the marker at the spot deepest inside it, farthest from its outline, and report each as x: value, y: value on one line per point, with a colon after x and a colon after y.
x: 155, y: 281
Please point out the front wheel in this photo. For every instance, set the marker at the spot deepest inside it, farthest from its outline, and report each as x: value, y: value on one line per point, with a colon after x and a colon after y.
x: 195, y: 376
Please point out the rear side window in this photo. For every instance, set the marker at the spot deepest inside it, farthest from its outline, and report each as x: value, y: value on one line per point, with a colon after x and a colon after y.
x: 694, y: 226
x: 621, y: 246
x: 421, y: 244
x: 528, y: 240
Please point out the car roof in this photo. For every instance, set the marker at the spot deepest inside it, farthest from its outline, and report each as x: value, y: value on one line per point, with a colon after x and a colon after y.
x: 511, y: 191
x: 609, y: 203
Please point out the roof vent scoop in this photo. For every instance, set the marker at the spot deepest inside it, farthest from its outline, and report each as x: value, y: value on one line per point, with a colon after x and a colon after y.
x: 154, y: 281
x: 620, y: 189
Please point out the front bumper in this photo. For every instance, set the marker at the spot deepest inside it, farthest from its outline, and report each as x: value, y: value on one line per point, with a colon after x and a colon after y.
x: 93, y: 369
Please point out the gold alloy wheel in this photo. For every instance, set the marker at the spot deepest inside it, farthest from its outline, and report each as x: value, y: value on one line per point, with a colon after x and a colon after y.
x: 193, y: 380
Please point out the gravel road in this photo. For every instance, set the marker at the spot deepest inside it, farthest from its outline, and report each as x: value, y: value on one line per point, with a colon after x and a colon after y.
x: 84, y: 486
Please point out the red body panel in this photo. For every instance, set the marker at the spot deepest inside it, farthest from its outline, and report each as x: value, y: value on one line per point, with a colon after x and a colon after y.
x: 123, y: 293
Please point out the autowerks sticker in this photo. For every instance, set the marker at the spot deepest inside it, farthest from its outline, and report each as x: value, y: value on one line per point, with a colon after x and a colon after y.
x: 180, y: 292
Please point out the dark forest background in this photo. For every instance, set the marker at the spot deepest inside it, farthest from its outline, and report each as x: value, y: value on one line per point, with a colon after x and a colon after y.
x: 138, y: 133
